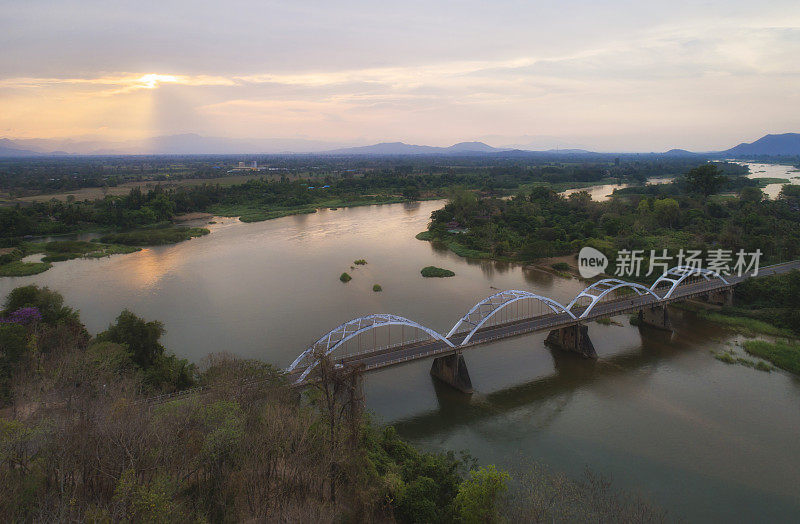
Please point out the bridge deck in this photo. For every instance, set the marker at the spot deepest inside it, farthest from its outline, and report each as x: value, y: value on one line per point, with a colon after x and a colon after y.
x: 385, y: 357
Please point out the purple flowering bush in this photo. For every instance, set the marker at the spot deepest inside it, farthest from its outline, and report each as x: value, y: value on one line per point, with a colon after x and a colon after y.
x: 25, y: 315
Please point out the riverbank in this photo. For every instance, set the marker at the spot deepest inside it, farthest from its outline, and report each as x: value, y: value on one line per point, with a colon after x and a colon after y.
x: 256, y: 213
x: 55, y: 251
x: 13, y: 261
x: 733, y: 318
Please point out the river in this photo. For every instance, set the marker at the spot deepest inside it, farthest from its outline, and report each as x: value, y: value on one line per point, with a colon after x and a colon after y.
x: 788, y: 172
x: 707, y: 440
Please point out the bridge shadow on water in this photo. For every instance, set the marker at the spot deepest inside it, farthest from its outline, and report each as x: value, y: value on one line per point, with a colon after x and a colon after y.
x: 550, y: 395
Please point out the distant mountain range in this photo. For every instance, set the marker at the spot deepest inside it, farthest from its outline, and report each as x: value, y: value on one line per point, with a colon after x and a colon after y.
x: 184, y: 144
x: 399, y: 148
x: 787, y: 144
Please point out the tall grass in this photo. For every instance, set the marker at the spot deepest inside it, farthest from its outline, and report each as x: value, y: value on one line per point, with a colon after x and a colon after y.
x: 785, y: 355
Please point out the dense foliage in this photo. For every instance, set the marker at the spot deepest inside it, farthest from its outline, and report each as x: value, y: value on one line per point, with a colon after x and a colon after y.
x: 541, y: 223
x: 774, y: 299
x: 279, y: 194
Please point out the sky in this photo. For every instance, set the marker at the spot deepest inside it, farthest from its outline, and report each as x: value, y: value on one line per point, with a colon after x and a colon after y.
x: 608, y: 76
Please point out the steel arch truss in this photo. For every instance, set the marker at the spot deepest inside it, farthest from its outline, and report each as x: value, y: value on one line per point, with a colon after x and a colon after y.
x: 486, y: 308
x: 334, y: 339
x: 601, y: 288
x: 676, y: 275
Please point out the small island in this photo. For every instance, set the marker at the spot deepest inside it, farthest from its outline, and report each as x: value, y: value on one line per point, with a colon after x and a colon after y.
x: 433, y: 271
x: 345, y: 277
x: 376, y: 288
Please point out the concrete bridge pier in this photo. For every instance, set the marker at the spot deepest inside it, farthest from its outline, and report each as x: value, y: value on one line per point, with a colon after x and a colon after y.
x: 572, y: 338
x: 723, y: 297
x: 452, y: 370
x: 655, y: 316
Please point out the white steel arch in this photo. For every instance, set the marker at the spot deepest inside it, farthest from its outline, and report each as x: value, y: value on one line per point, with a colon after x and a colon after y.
x: 332, y: 340
x: 596, y: 291
x: 486, y: 308
x: 676, y: 275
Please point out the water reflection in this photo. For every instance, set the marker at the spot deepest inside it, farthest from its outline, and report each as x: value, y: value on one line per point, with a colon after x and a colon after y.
x: 570, y: 373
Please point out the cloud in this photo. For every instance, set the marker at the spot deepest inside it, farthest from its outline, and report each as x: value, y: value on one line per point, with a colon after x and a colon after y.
x: 647, y: 72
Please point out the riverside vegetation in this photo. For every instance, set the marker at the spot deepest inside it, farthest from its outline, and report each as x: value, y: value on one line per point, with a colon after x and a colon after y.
x: 301, y: 188
x: 687, y: 214
x: 79, y: 440
x: 141, y: 217
x: 11, y: 263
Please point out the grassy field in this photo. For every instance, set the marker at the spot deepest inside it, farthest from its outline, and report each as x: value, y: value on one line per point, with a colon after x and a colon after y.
x: 784, y: 355
x: 742, y: 324
x: 94, y: 193
x: 155, y: 236
x: 454, y: 246
x: 23, y: 269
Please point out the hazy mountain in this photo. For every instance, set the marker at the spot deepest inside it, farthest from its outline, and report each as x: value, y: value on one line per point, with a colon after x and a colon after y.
x: 400, y: 148
x: 472, y: 147
x: 11, y: 148
x: 569, y: 151
x: 786, y: 144
x: 184, y: 144
x: 679, y: 152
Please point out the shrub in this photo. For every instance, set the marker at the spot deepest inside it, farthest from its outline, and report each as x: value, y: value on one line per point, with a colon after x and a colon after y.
x: 360, y: 262
x: 376, y: 288
x: 344, y: 277
x: 433, y: 271
x: 560, y: 266
x: 477, y: 496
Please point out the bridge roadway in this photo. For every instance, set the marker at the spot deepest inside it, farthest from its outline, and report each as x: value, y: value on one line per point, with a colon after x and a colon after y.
x: 377, y: 359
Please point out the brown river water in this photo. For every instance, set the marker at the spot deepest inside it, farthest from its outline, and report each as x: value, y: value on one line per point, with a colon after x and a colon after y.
x: 656, y: 413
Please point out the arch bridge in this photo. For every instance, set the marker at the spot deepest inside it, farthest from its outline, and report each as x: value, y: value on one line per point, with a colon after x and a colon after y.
x: 381, y: 340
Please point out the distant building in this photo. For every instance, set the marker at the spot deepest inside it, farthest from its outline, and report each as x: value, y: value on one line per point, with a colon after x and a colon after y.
x: 247, y: 166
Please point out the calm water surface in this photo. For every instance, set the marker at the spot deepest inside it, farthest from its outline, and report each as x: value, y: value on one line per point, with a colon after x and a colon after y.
x: 773, y: 171
x: 603, y: 192
x: 659, y: 414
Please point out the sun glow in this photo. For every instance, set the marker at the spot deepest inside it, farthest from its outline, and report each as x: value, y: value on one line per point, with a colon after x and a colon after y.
x: 152, y: 80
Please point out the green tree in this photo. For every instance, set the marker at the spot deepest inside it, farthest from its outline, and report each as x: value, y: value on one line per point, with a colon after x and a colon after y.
x: 706, y: 179
x: 418, y: 502
x: 411, y: 192
x: 751, y: 194
x: 476, y: 501
x: 139, y: 336
x: 666, y: 211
